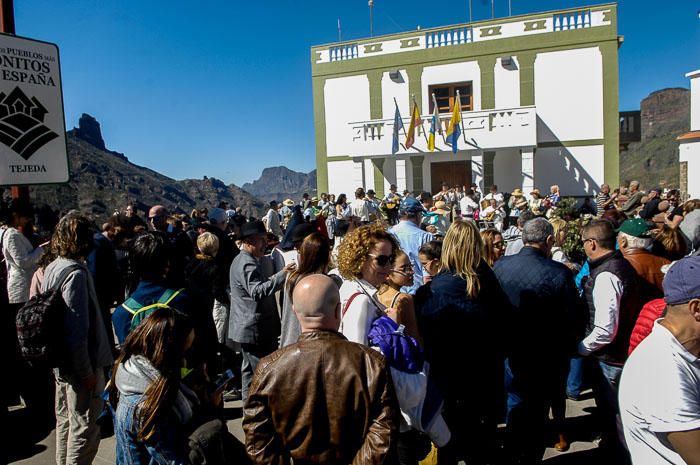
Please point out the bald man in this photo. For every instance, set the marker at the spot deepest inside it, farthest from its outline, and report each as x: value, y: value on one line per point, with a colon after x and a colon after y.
x: 323, y: 399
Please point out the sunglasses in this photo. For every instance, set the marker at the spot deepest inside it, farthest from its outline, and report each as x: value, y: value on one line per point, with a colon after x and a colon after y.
x: 382, y: 260
x: 499, y: 245
x: 404, y: 270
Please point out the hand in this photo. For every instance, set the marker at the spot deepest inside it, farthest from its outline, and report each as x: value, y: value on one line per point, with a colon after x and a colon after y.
x: 88, y: 383
x: 431, y: 229
x: 290, y: 267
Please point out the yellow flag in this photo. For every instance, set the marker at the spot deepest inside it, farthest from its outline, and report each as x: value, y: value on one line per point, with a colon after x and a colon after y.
x: 415, y: 121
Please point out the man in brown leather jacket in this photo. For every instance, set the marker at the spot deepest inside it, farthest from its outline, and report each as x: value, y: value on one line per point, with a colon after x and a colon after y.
x: 634, y: 240
x: 323, y: 399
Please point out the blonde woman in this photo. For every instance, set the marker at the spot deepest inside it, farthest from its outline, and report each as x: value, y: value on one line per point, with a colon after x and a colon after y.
x: 494, y: 246
x: 558, y: 255
x: 461, y: 318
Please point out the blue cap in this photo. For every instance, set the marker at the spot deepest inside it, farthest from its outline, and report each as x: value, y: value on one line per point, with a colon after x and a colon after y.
x: 682, y: 281
x: 410, y: 206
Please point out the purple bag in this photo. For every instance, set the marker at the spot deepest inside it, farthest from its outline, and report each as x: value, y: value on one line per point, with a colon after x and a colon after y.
x: 400, y: 350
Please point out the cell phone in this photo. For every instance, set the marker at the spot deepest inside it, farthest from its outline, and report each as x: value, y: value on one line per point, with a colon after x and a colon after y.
x: 223, y: 380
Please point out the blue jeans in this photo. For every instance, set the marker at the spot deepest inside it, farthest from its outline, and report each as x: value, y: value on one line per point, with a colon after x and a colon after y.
x: 574, y: 382
x: 606, y: 391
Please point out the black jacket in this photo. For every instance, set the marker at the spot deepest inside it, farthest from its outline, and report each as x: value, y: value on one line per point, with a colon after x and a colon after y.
x: 465, y: 339
x: 548, y: 317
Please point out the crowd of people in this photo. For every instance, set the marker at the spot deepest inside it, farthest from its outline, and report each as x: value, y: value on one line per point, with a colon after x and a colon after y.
x: 376, y: 330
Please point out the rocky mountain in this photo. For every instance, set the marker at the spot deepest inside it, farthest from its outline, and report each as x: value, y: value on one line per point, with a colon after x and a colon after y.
x: 654, y: 160
x: 279, y: 183
x: 103, y: 181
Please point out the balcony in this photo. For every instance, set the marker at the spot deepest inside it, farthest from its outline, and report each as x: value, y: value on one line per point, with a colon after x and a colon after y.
x: 482, y: 130
x: 630, y: 128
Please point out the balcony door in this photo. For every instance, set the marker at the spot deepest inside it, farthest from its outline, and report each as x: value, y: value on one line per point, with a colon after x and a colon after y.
x: 445, y: 95
x: 455, y: 173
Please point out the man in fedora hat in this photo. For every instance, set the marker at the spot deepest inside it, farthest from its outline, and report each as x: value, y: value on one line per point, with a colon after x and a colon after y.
x: 254, y: 321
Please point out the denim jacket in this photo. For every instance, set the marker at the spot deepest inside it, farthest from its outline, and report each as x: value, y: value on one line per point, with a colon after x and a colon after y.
x: 162, y: 448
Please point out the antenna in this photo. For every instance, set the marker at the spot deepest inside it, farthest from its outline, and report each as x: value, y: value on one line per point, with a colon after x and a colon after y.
x: 340, y: 34
x: 370, y: 3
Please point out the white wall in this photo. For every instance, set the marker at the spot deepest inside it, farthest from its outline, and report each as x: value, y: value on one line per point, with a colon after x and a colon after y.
x: 340, y: 178
x: 507, y: 84
x: 507, y: 170
x: 395, y: 90
x: 346, y: 100
x: 453, y: 72
x: 569, y: 95
x: 577, y: 170
x: 690, y: 152
x: 694, y: 100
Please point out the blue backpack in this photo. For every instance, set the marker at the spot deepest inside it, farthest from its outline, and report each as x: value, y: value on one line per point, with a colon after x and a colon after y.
x: 400, y: 350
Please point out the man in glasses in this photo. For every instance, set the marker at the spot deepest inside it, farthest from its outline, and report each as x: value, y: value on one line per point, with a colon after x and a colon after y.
x: 411, y: 237
x: 612, y: 293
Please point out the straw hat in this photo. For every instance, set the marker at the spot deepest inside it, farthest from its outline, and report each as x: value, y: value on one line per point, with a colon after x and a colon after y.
x: 517, y: 192
x: 535, y: 191
x: 521, y: 204
x: 441, y: 208
x: 288, y: 203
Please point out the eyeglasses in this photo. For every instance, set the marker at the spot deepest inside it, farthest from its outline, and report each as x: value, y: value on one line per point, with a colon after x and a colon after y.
x: 382, y: 260
x: 404, y: 270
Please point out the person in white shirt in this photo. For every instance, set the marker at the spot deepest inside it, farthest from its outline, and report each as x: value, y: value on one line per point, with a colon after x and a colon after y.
x: 272, y: 220
x: 359, y: 206
x: 468, y: 205
x: 495, y: 195
x: 660, y: 385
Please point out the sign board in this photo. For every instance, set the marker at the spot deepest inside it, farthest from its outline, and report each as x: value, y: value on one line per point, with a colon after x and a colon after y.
x: 32, y: 126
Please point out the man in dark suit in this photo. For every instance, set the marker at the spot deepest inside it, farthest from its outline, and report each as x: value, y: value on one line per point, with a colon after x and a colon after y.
x: 254, y: 322
x: 546, y: 314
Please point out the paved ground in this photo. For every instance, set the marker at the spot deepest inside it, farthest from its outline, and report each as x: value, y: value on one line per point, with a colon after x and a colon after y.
x: 31, y: 447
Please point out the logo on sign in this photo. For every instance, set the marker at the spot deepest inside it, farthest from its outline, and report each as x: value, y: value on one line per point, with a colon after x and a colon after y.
x: 22, y: 123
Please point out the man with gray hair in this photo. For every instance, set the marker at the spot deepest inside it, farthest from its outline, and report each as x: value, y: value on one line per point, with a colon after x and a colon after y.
x: 323, y: 399
x: 546, y: 316
x: 634, y: 201
x: 634, y: 240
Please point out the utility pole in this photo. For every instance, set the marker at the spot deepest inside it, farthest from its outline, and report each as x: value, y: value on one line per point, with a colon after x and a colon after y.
x: 510, y: 8
x: 370, y: 3
x: 493, y: 9
x: 470, y: 11
x: 7, y: 25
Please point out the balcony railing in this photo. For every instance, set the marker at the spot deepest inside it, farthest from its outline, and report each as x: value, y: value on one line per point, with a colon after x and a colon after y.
x: 572, y: 20
x: 486, y: 130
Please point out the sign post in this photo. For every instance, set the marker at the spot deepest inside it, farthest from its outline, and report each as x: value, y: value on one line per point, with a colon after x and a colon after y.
x: 32, y: 126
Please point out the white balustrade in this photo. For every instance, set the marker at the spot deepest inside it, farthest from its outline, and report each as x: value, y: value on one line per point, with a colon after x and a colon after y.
x: 447, y: 37
x: 572, y: 20
x: 344, y: 52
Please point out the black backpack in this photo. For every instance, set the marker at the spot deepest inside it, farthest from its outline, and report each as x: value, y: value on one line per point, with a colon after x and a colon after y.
x: 40, y: 325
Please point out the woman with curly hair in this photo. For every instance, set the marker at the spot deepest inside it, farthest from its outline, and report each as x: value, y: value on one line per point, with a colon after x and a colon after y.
x: 494, y: 246
x: 364, y: 261
x: 152, y: 404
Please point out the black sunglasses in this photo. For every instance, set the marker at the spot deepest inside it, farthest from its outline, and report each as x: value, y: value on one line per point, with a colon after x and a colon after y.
x: 382, y: 260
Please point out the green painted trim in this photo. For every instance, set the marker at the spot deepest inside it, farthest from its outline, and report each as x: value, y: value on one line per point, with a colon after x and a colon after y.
x: 490, y: 31
x: 535, y: 43
x: 611, y: 113
x: 415, y: 86
x: 373, y: 48
x: 570, y: 143
x: 409, y: 43
x: 535, y: 25
x: 378, y: 164
x: 488, y: 83
x: 475, y: 25
x: 417, y: 168
x: 375, y: 94
x: 526, y: 62
x: 339, y: 158
x: 320, y: 127
x: 487, y: 169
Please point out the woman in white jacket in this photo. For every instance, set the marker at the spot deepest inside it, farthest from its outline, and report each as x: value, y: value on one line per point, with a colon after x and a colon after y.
x: 19, y: 254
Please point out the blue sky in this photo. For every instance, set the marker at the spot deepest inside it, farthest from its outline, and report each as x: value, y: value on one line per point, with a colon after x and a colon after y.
x: 223, y: 88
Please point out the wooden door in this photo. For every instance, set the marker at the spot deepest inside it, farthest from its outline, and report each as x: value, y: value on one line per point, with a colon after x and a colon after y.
x: 454, y: 172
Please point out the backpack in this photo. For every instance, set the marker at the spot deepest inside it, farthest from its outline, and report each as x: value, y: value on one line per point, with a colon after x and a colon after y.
x: 140, y: 312
x: 39, y: 325
x: 400, y: 350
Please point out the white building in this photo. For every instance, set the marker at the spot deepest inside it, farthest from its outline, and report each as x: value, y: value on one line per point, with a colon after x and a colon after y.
x: 539, y: 96
x: 689, y: 150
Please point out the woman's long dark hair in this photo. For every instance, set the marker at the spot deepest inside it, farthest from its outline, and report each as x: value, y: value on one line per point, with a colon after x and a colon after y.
x: 161, y: 339
x: 314, y: 256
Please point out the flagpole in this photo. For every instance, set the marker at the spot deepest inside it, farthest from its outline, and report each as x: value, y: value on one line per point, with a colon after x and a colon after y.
x: 340, y: 34
x: 402, y: 126
x: 413, y: 97
x: 370, y: 3
x: 470, y: 12
x: 439, y: 123
x: 461, y: 120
